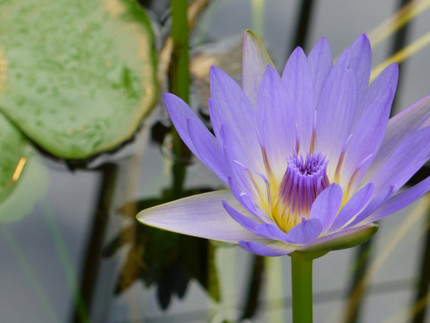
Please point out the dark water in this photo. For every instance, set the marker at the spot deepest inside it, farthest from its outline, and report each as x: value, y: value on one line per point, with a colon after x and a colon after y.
x: 45, y: 264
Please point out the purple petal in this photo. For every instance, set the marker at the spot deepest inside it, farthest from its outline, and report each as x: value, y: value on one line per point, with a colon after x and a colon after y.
x: 360, y: 61
x: 299, y: 87
x: 230, y: 107
x: 336, y: 111
x: 373, y: 205
x: 404, y: 162
x: 352, y: 207
x: 367, y: 136
x: 401, y: 126
x: 305, y: 232
x: 326, y: 206
x: 401, y: 200
x: 201, y: 216
x: 384, y: 82
x: 264, y: 230
x: 242, y: 164
x: 179, y: 113
x: 254, y: 63
x: 275, y: 122
x: 208, y: 149
x: 320, y: 64
x: 269, y: 248
x: 247, y: 202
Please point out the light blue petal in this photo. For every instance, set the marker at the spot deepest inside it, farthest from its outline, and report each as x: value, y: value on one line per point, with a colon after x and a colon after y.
x: 352, y: 207
x: 380, y: 86
x: 266, y: 248
x: 275, y: 121
x: 367, y: 137
x: 264, y: 230
x: 179, y: 112
x: 208, y: 150
x: 247, y: 202
x: 200, y: 216
x: 401, y: 200
x: 336, y: 110
x: 299, y: 87
x: 400, y: 127
x: 372, y: 206
x: 412, y: 153
x: 320, y: 64
x: 360, y: 61
x: 326, y: 206
x: 240, y: 162
x: 305, y: 232
x: 254, y: 63
x: 230, y: 107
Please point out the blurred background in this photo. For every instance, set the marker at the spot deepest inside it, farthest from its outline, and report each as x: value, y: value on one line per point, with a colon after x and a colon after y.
x: 87, y: 144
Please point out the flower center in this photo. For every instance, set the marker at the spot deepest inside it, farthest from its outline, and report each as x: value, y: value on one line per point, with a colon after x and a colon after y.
x: 302, y: 182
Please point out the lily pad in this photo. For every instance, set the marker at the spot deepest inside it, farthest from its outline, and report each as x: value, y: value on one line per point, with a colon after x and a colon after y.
x: 76, y: 77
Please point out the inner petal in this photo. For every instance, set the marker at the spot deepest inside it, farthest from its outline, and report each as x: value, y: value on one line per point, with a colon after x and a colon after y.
x: 304, y: 179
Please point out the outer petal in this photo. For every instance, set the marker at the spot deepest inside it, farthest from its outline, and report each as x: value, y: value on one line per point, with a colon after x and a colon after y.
x: 326, y: 206
x: 201, y: 216
x: 267, y: 248
x: 401, y: 200
x: 254, y: 63
x: 412, y: 153
x: 400, y: 127
x: 299, y: 87
x: 275, y: 124
x: 320, y: 63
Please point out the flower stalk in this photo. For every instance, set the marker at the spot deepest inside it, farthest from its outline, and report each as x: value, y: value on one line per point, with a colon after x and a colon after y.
x: 301, y: 278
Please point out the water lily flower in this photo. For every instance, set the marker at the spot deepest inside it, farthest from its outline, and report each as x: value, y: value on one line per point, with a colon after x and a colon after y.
x: 311, y: 157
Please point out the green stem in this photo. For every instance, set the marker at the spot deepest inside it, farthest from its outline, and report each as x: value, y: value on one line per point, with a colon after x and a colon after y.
x: 301, y: 277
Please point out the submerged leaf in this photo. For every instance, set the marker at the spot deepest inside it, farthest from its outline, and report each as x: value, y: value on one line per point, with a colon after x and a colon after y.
x: 76, y: 77
x: 22, y: 175
x: 166, y: 259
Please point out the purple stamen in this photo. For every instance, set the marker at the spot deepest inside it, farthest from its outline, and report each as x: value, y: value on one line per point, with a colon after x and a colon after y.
x: 303, y: 180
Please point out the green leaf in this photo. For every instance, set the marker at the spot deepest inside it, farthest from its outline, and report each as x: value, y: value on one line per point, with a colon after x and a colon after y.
x: 76, y: 77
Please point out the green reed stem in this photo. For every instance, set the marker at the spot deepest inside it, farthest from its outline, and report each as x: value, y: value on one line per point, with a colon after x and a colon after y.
x: 66, y: 263
x: 29, y: 273
x: 179, y: 70
x: 301, y: 278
